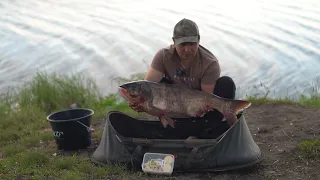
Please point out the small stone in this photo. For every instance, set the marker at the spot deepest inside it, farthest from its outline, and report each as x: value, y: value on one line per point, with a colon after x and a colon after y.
x: 280, y: 150
x: 73, y: 106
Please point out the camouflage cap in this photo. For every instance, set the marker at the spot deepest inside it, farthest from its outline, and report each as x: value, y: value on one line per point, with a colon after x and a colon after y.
x: 185, y: 31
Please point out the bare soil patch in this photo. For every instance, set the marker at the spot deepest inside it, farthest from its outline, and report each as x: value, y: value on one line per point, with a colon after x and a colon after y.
x: 277, y: 129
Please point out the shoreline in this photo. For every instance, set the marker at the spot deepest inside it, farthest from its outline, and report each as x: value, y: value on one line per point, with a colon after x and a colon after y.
x: 287, y: 131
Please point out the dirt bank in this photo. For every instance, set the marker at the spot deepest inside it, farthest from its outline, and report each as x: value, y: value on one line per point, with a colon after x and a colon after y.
x: 277, y: 129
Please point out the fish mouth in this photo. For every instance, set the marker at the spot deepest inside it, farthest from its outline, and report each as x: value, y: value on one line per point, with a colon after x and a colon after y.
x: 126, y: 95
x: 123, y: 91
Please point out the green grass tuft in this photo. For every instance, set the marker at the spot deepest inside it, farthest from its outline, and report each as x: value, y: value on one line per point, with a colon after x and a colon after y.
x: 312, y: 101
x: 53, y: 92
x: 26, y: 140
x: 310, y: 148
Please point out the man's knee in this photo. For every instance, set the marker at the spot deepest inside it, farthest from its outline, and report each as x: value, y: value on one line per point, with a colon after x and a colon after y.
x: 226, y: 80
x: 225, y: 87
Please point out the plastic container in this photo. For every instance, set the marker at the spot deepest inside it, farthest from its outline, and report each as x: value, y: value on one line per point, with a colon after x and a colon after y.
x: 71, y: 128
x: 158, y: 163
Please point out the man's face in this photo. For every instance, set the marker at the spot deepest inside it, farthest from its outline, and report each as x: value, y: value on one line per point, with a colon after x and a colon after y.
x: 187, y: 51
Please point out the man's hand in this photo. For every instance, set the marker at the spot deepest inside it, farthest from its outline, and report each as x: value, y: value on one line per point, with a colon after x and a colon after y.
x: 135, y: 107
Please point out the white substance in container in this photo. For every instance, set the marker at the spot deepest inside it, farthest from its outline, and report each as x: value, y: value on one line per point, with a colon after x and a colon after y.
x: 158, y: 163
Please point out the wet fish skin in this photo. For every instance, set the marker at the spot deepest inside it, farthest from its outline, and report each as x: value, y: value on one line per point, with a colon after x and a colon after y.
x: 168, y: 101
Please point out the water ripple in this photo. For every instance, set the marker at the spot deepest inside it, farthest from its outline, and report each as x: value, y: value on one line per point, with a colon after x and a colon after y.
x: 272, y: 42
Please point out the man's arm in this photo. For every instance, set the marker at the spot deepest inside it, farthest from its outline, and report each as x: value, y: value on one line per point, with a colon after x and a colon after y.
x: 153, y: 75
x: 210, y: 77
x: 156, y: 70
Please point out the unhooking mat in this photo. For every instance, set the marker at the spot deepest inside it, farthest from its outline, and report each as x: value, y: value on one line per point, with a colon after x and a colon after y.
x: 196, y: 145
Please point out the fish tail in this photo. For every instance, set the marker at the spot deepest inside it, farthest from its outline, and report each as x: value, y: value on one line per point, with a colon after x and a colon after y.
x: 238, y: 105
x: 233, y: 108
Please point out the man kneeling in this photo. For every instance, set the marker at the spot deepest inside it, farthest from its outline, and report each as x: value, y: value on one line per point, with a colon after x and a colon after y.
x: 188, y: 62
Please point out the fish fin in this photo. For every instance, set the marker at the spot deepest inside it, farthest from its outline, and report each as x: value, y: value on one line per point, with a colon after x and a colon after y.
x: 170, y: 121
x: 165, y: 120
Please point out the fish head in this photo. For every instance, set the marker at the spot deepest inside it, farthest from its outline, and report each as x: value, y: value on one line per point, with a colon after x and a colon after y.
x: 136, y: 91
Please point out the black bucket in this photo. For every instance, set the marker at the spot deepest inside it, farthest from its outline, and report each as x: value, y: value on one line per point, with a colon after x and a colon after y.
x: 71, y: 128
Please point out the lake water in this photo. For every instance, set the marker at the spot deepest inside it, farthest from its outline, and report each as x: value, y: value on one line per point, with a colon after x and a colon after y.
x: 276, y: 43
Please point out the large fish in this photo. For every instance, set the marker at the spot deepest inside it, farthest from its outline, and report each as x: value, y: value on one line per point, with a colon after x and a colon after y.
x: 168, y: 101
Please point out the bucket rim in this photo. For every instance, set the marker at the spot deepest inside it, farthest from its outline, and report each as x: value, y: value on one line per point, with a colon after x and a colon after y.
x: 68, y: 120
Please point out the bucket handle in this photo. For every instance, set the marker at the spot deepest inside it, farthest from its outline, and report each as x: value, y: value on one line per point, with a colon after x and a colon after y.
x: 88, y: 128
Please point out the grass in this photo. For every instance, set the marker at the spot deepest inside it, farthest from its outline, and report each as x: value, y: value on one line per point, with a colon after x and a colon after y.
x: 310, y: 148
x: 27, y: 147
x: 26, y: 144
x: 313, y: 101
